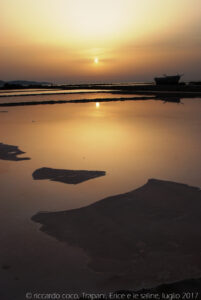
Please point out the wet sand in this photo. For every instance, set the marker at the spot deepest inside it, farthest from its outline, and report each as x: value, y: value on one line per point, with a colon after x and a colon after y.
x: 149, y: 235
x: 10, y: 152
x: 66, y: 176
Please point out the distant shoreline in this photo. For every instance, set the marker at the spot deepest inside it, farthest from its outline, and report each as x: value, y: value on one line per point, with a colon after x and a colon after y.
x: 165, y: 93
x: 190, y: 87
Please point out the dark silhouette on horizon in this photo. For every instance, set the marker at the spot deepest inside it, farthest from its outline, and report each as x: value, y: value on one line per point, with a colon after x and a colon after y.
x: 168, y: 80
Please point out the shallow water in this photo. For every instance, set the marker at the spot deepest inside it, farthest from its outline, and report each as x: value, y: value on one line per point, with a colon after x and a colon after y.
x: 131, y: 141
x: 5, y: 93
x: 57, y: 95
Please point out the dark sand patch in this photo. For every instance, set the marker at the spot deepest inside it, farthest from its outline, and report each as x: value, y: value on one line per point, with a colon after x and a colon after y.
x: 10, y: 152
x: 66, y: 176
x: 142, y: 238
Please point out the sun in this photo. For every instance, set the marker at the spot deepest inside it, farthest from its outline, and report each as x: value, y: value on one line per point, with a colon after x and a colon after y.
x: 96, y: 60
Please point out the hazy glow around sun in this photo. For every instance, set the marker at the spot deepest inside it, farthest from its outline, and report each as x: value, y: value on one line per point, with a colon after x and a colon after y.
x: 94, y: 19
x: 87, y: 40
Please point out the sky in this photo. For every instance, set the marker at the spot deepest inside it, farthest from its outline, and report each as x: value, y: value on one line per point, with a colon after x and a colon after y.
x: 75, y: 41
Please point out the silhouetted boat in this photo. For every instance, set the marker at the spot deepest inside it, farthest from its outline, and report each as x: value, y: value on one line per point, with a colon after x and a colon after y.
x: 167, y: 80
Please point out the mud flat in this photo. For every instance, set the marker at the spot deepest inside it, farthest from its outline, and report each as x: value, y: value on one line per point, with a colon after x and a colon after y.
x: 10, y: 152
x: 66, y: 176
x: 143, y: 238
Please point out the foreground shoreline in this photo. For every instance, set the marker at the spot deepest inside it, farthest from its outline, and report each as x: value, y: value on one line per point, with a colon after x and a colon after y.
x: 143, y: 238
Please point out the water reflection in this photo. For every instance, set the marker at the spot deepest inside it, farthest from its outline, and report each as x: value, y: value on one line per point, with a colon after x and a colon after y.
x: 170, y: 99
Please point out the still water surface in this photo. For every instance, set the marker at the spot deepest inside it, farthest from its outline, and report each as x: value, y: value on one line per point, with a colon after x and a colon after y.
x: 132, y: 141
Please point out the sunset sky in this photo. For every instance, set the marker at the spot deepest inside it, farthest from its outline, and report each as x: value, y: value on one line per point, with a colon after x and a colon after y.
x: 68, y: 41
